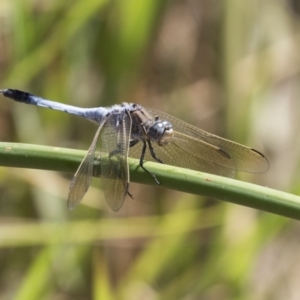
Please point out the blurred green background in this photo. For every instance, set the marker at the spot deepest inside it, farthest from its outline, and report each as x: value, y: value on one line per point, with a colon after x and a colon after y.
x: 229, y: 67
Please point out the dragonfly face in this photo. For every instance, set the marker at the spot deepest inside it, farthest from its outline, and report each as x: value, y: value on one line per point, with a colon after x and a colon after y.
x: 161, y: 132
x: 131, y: 130
x: 144, y: 127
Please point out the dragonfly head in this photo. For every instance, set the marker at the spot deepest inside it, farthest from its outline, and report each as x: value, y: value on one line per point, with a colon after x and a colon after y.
x: 161, y: 132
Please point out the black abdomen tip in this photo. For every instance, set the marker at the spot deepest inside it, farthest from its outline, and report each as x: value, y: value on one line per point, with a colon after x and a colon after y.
x: 16, y: 95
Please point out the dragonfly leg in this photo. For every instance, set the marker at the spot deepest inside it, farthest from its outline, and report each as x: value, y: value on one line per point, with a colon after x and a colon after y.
x: 115, y: 152
x: 129, y: 194
x: 133, y: 143
x: 142, y: 162
x: 152, y: 152
x: 126, y: 185
x: 149, y: 144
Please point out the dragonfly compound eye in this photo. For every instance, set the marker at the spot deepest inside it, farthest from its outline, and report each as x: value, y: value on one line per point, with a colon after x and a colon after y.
x: 167, y: 134
x: 161, y: 132
x: 156, y: 131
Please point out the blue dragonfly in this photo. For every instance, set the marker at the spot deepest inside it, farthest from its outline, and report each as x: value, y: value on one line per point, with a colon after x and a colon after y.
x: 130, y: 130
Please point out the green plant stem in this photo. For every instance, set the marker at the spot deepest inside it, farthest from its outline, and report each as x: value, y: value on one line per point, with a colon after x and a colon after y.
x: 185, y: 180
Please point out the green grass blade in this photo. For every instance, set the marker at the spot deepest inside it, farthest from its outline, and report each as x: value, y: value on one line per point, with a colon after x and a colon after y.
x: 243, y: 193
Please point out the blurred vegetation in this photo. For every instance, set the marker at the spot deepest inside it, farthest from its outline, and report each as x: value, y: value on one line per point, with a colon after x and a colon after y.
x: 229, y: 67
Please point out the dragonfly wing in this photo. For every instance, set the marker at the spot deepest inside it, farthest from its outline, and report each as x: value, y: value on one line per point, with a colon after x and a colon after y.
x: 187, y: 152
x: 114, y: 152
x: 83, y: 176
x: 243, y: 158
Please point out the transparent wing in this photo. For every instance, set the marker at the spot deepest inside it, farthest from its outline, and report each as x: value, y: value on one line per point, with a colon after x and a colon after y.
x: 83, y: 176
x: 187, y: 152
x: 114, y: 168
x: 202, y: 146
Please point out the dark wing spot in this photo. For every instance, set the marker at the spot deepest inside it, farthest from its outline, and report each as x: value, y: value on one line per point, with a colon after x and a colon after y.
x: 223, y: 153
x: 259, y: 153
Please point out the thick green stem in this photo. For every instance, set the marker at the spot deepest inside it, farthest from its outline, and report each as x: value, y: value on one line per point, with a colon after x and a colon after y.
x: 243, y: 193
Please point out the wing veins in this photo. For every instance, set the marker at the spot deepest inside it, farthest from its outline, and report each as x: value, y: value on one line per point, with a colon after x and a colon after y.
x: 83, y: 176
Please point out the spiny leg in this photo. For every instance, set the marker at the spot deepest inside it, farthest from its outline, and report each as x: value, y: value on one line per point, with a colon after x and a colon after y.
x: 152, y: 152
x: 142, y: 162
x: 127, y: 191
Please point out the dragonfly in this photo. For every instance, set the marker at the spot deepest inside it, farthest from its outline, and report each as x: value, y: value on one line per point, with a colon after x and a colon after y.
x: 130, y: 130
